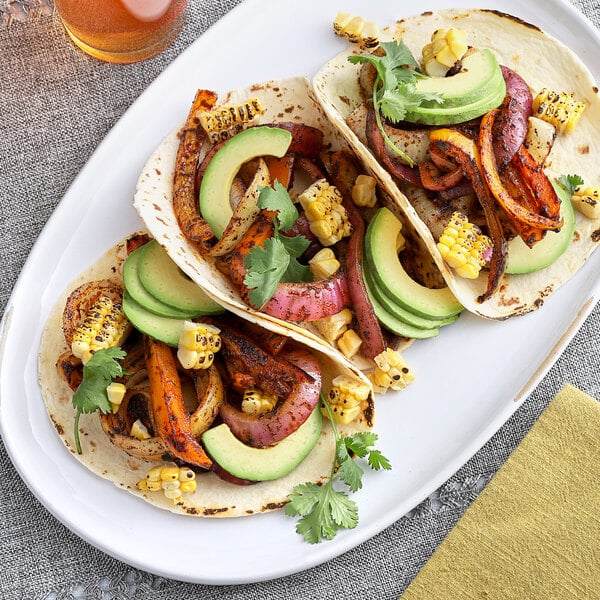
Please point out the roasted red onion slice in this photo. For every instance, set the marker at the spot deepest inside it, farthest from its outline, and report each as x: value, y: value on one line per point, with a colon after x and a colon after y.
x: 290, y: 412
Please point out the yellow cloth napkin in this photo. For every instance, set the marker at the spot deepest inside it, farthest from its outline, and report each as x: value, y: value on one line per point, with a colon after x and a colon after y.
x: 534, y: 531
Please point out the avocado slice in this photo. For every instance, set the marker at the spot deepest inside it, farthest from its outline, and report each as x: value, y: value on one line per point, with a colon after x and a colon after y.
x: 399, y: 312
x: 389, y: 274
x: 263, y: 464
x: 164, y: 329
x: 476, y: 89
x: 224, y: 165
x: 523, y: 259
x: 139, y: 293
x: 395, y: 325
x: 163, y: 279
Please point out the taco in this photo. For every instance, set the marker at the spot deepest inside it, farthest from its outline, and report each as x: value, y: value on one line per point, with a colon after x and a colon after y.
x: 481, y: 127
x: 253, y: 159
x: 232, y: 422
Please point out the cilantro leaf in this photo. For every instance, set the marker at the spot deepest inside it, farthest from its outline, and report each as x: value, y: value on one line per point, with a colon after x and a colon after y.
x: 570, y: 182
x: 91, y: 394
x: 276, y: 198
x: 265, y: 267
x: 394, y: 91
x: 322, y: 508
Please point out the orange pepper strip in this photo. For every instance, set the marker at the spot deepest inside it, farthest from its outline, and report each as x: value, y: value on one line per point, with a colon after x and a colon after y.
x: 185, y: 198
x: 282, y: 169
x: 171, y: 418
x: 543, y: 191
x: 465, y: 153
x: 516, y: 211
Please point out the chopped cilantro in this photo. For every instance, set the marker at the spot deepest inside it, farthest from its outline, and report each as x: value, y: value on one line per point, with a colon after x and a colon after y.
x: 324, y: 510
x: 91, y: 394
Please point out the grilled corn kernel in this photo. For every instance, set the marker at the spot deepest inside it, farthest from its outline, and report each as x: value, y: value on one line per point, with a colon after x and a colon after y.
x: 349, y: 343
x: 173, y: 481
x: 446, y: 47
x: 223, y: 122
x: 347, y: 398
x: 561, y: 109
x: 333, y: 327
x: 115, y: 393
x: 326, y: 214
x: 586, y: 200
x: 139, y: 430
x: 323, y: 264
x: 256, y: 402
x: 198, y: 344
x: 356, y: 29
x: 463, y: 246
x: 391, y: 372
x: 363, y: 191
x: 105, y: 325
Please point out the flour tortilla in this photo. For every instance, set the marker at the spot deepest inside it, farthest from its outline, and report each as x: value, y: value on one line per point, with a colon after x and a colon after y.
x: 543, y: 62
x: 213, y: 497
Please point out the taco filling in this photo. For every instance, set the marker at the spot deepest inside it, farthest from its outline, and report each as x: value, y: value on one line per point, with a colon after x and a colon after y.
x: 153, y: 385
x: 276, y: 218
x: 486, y: 149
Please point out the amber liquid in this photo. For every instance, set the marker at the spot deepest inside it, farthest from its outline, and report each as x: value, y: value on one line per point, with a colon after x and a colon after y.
x: 122, y: 31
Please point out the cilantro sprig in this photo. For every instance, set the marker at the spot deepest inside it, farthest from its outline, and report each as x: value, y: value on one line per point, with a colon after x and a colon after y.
x: 91, y: 394
x: 323, y: 509
x: 394, y: 88
x: 277, y: 260
x: 570, y: 182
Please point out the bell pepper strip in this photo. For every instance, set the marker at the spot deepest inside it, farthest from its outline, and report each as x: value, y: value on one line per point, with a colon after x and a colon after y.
x: 185, y: 200
x: 291, y: 301
x: 516, y: 211
x: 543, y: 191
x: 343, y: 173
x: 296, y: 367
x: 377, y: 144
x: 465, y: 153
x: 282, y: 169
x: 436, y: 180
x: 170, y: 414
x: 510, y: 127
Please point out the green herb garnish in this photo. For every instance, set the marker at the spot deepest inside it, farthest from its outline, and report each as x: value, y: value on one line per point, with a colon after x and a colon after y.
x: 570, y: 182
x: 394, y: 89
x: 91, y: 394
x: 276, y: 261
x: 323, y: 509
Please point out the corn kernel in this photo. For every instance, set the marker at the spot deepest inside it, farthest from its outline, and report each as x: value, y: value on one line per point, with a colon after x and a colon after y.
x: 223, y: 122
x: 169, y: 474
x: 349, y: 343
x: 447, y: 46
x: 188, y: 486
x: 198, y: 343
x: 323, y: 264
x: 363, y: 191
x: 115, y: 393
x: 334, y: 326
x: 391, y: 371
x: 139, y: 430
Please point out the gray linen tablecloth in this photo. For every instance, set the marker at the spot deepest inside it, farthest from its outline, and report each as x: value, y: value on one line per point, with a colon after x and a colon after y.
x: 56, y: 105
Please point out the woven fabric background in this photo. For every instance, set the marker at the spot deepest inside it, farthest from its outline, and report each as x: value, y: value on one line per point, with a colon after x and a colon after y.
x: 51, y: 119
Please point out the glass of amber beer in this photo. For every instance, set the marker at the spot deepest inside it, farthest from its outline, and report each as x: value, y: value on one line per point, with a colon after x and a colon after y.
x: 122, y: 31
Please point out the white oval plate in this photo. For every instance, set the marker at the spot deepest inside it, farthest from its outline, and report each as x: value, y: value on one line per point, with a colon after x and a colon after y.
x: 469, y: 380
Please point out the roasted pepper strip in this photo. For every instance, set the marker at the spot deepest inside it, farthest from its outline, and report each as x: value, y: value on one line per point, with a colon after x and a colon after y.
x: 171, y: 417
x: 516, y: 211
x: 464, y: 152
x: 185, y: 201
